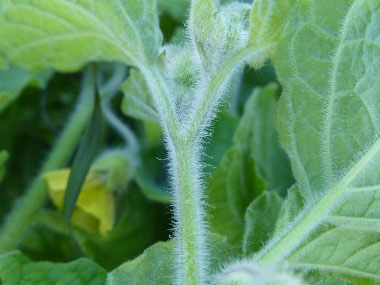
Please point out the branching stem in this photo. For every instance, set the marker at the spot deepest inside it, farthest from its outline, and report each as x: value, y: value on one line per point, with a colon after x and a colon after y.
x: 183, y: 142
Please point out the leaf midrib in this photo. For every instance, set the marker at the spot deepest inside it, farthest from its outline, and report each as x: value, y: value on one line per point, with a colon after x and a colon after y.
x: 288, y: 241
x: 326, y: 144
x: 335, y: 269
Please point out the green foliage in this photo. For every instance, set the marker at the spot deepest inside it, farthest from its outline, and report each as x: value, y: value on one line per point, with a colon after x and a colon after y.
x: 255, y: 162
x: 15, y: 79
x: 234, y: 184
x: 83, y: 159
x: 285, y: 175
x: 15, y: 268
x: 272, y: 164
x: 260, y: 221
x: 67, y: 34
x: 3, y: 159
x: 268, y: 20
x: 156, y: 266
x: 331, y: 136
x: 137, y: 101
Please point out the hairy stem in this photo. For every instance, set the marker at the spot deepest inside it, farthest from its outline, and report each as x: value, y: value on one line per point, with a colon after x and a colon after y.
x: 199, y: 118
x: 183, y: 142
x: 189, y: 213
x: 24, y: 210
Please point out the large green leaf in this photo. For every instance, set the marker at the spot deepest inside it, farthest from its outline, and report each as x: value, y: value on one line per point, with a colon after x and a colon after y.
x: 16, y: 269
x: 15, y: 79
x: 65, y: 34
x: 157, y: 264
x: 328, y: 63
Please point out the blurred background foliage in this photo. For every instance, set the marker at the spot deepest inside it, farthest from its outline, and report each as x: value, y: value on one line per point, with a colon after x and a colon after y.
x: 33, y: 110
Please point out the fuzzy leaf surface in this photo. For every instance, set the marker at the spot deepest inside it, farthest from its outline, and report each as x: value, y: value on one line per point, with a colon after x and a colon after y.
x: 268, y: 19
x: 260, y: 221
x: 234, y: 184
x: 156, y: 264
x: 328, y: 123
x: 66, y: 34
x: 137, y: 101
x: 17, y: 269
x: 272, y: 164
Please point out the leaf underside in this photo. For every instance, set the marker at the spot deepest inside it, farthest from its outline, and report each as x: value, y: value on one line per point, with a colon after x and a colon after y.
x: 66, y: 34
x: 329, y: 118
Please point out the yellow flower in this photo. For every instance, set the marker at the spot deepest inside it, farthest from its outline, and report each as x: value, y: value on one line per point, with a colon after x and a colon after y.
x: 95, y: 208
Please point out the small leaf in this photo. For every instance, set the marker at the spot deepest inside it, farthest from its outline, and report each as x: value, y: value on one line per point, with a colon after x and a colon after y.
x: 221, y: 139
x: 217, y: 33
x: 3, y: 159
x: 260, y: 221
x: 234, y: 184
x: 157, y: 264
x: 151, y: 174
x: 67, y: 34
x: 291, y: 208
x: 83, y: 160
x: 137, y: 102
x: 272, y: 164
x: 268, y: 19
x: 17, y: 269
x: 15, y: 79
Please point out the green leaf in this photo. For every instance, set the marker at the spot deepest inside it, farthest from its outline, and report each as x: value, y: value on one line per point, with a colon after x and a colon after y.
x: 207, y: 29
x: 66, y: 34
x: 221, y: 139
x: 291, y: 208
x: 176, y: 9
x: 3, y: 159
x: 15, y: 79
x: 272, y: 164
x: 151, y: 174
x: 268, y: 20
x: 157, y: 264
x: 260, y: 221
x: 234, y: 184
x: 328, y: 63
x: 83, y: 159
x: 137, y: 101
x: 217, y: 33
x: 16, y: 269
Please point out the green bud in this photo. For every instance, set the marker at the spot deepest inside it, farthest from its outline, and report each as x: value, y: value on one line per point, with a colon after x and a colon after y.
x: 117, y: 167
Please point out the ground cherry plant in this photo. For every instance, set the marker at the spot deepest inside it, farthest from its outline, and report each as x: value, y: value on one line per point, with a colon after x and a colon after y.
x: 190, y: 142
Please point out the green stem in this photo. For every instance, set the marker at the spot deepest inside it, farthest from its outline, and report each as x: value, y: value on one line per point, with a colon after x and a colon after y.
x: 24, y: 210
x: 188, y: 208
x: 183, y: 143
x: 203, y: 108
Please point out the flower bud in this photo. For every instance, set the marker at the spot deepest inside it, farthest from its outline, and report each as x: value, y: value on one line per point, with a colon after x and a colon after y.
x: 95, y: 207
